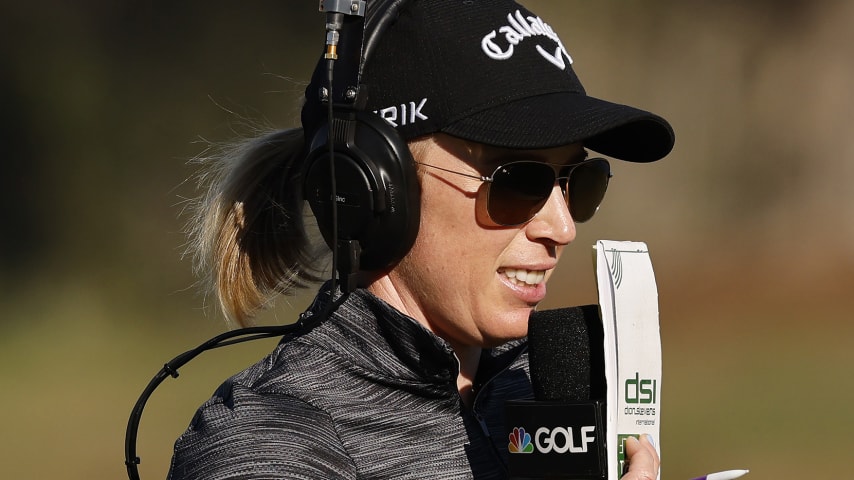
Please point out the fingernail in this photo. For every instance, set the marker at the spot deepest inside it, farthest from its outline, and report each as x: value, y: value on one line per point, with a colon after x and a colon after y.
x: 650, y: 439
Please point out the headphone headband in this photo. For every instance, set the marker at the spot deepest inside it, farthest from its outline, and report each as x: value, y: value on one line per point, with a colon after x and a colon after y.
x: 380, y: 14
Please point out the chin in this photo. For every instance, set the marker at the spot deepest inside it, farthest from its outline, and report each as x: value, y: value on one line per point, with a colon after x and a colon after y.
x: 512, y: 329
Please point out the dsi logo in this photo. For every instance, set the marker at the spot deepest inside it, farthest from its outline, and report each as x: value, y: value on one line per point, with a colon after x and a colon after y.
x: 641, y: 390
x: 520, y: 441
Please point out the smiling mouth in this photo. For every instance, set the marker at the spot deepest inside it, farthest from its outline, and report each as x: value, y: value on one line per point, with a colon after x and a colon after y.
x: 524, y: 278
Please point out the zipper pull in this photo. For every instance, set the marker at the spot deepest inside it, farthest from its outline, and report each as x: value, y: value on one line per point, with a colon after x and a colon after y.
x: 482, y: 423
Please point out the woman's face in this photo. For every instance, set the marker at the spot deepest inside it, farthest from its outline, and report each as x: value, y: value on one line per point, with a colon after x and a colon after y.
x: 468, y: 280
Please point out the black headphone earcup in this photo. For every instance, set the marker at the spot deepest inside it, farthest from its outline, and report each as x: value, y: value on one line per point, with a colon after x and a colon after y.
x: 377, y: 191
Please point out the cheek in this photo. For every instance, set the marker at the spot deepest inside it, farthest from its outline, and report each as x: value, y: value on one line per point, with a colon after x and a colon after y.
x: 451, y: 260
x: 448, y: 220
x: 455, y: 240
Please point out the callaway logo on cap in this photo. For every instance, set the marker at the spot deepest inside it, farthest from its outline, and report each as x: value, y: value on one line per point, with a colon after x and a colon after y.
x: 492, y: 72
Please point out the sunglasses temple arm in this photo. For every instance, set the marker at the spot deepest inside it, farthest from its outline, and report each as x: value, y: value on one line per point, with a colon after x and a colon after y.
x: 478, y: 177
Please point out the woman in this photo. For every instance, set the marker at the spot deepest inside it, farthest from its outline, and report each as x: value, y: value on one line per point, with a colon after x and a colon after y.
x: 407, y: 375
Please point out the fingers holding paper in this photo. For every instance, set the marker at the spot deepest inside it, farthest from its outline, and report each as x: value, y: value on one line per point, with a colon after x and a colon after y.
x: 642, y: 459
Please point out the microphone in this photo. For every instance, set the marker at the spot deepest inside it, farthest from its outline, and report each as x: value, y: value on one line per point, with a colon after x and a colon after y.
x: 561, y: 434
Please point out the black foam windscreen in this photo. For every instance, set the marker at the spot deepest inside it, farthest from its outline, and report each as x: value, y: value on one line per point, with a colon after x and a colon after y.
x: 565, y: 354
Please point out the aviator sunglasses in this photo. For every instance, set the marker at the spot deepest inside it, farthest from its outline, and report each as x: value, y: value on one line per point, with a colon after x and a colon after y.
x: 518, y: 190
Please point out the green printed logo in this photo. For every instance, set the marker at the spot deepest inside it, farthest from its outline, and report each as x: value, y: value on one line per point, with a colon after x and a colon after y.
x: 641, y: 390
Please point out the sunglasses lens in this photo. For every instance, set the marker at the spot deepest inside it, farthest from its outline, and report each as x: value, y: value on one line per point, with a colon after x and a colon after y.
x: 518, y: 191
x: 586, y: 188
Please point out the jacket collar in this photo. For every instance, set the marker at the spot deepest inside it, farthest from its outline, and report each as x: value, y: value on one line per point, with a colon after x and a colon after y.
x: 388, y: 343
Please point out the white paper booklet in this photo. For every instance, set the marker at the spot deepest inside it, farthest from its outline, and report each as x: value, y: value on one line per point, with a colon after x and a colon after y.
x: 628, y: 299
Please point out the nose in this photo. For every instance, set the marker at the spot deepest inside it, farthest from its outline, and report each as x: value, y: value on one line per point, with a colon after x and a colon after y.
x: 553, y: 223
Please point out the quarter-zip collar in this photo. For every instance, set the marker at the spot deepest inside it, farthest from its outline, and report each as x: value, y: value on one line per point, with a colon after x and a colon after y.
x: 394, y: 346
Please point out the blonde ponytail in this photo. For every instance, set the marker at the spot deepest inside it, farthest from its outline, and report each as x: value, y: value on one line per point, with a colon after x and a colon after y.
x: 247, y: 235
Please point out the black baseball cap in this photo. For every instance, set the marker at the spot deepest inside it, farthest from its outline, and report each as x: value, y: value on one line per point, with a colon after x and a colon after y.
x: 492, y: 72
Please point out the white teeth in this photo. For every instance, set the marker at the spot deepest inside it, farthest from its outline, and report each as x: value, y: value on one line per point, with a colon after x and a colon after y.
x: 525, y: 277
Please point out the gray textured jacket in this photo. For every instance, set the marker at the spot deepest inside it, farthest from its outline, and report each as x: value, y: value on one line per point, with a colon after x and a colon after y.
x: 368, y: 393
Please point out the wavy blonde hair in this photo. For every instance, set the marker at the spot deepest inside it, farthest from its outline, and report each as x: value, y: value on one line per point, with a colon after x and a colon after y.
x: 247, y: 233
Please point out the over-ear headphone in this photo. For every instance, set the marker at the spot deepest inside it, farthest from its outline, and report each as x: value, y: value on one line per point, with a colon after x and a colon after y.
x: 377, y: 195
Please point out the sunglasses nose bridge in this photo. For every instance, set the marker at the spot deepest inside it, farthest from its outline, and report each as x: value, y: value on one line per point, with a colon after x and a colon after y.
x: 563, y: 183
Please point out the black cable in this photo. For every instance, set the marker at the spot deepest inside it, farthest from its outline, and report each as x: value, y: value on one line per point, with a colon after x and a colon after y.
x: 330, y: 64
x: 170, y: 368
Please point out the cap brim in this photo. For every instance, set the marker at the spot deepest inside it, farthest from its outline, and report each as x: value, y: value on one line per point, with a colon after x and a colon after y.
x: 556, y: 119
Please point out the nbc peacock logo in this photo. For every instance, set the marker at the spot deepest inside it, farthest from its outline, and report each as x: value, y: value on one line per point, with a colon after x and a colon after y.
x: 520, y: 441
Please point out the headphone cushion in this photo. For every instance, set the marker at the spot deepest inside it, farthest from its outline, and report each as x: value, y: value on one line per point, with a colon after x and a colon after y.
x: 377, y: 191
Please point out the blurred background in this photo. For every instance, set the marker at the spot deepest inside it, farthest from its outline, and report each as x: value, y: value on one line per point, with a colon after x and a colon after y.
x: 750, y: 221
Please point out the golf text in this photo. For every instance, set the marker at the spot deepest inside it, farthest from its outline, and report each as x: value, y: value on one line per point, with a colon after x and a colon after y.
x: 561, y: 440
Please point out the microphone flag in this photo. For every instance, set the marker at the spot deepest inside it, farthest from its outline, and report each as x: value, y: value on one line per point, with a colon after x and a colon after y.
x: 628, y: 301
x: 595, y: 374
